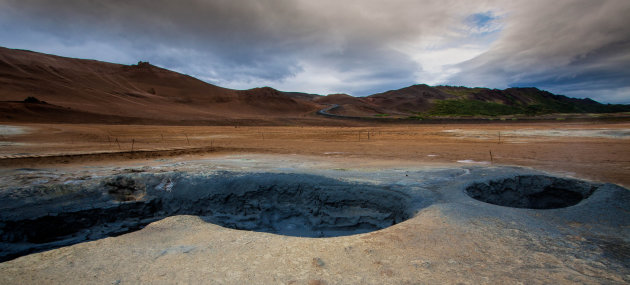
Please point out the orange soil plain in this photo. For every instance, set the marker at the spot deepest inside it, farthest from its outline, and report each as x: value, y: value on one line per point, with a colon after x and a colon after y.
x: 595, y: 151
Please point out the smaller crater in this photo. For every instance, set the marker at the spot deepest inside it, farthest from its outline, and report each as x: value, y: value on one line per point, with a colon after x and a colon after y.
x: 532, y: 192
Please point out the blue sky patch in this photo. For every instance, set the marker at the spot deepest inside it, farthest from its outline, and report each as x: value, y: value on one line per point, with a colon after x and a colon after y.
x: 483, y: 23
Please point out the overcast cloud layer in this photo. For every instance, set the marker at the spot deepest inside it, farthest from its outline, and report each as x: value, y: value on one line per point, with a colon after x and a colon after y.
x: 579, y: 48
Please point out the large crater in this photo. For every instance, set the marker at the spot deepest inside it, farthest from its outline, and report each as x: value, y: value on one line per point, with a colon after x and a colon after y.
x: 532, y: 192
x: 286, y: 204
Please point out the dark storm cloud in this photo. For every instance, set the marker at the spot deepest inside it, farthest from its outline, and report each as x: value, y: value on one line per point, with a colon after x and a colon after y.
x: 229, y: 41
x: 225, y: 34
x: 355, y: 46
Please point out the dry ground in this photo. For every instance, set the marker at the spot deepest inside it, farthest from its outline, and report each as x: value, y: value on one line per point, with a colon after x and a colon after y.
x: 450, y: 242
x: 597, y: 151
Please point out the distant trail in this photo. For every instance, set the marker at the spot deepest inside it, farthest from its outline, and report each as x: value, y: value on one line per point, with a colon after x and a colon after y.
x: 324, y: 112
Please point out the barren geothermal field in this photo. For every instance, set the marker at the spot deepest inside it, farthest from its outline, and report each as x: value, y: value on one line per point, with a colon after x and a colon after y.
x: 135, y: 174
x: 502, y: 203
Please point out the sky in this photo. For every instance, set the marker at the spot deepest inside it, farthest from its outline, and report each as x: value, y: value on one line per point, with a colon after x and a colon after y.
x: 578, y: 48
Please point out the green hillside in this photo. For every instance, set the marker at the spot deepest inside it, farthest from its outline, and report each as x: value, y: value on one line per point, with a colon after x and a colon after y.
x: 513, y: 101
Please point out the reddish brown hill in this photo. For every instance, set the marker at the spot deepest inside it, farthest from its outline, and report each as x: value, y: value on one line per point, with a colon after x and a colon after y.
x: 349, y: 105
x: 416, y: 98
x: 339, y: 99
x: 270, y: 101
x: 141, y: 92
x: 464, y: 101
x: 88, y: 91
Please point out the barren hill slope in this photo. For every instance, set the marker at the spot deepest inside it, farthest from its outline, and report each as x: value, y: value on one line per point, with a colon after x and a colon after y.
x: 350, y: 106
x: 87, y: 91
x: 412, y: 99
x: 141, y: 91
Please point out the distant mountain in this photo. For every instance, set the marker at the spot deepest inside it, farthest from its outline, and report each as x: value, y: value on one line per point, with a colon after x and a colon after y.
x: 424, y: 100
x: 68, y: 90
x: 302, y: 96
x: 528, y: 101
x: 87, y: 89
x: 350, y: 106
x: 412, y: 99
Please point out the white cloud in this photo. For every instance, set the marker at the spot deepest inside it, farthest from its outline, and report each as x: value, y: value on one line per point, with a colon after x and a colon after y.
x: 438, y: 65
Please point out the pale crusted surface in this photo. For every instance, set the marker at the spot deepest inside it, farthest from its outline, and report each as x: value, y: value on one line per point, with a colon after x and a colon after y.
x: 454, y: 240
x: 429, y: 249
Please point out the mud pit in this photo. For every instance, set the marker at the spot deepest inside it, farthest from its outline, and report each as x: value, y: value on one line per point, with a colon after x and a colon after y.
x: 532, y: 192
x: 284, y: 204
